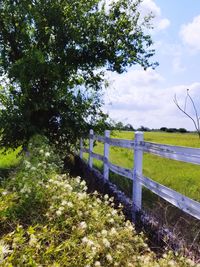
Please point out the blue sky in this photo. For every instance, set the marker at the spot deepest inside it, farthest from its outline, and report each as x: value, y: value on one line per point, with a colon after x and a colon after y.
x: 146, y: 97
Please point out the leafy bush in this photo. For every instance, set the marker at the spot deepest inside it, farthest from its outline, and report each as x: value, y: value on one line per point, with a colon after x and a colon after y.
x: 48, y: 219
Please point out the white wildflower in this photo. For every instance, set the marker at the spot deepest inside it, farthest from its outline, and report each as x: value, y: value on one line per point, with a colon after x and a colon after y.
x: 111, y: 220
x: 111, y: 199
x: 64, y: 202
x: 78, y: 179
x: 4, y: 193
x: 109, y: 258
x: 84, y: 239
x: 67, y: 187
x: 47, y: 154
x: 114, y: 212
x: 70, y: 204
x: 27, y: 163
x: 81, y: 195
x: 83, y: 225
x: 104, y: 232
x: 106, y: 242
x: 106, y: 196
x: 41, y: 151
x: 113, y: 231
x: 83, y: 183
x: 97, y: 264
x: 98, y: 200
x: 61, y: 208
x: 58, y: 212
x: 87, y: 241
x: 33, y: 240
x: 120, y: 247
x: 90, y: 243
x: 129, y: 225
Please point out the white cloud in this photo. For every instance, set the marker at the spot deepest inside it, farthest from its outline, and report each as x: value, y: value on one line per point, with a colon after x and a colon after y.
x: 173, y: 51
x: 163, y: 24
x: 190, y: 33
x: 138, y: 98
x: 177, y: 64
x: 159, y: 22
x: 138, y: 77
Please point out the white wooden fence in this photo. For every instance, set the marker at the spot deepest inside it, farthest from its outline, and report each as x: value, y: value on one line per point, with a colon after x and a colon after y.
x: 191, y: 155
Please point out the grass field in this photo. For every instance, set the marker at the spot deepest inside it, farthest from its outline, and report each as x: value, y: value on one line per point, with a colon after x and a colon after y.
x: 180, y: 176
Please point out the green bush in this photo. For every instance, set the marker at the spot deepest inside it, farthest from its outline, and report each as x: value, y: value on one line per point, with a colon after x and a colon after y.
x: 48, y: 219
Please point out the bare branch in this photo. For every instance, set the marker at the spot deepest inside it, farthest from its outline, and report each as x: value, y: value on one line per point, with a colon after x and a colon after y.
x: 195, y: 121
x: 195, y: 110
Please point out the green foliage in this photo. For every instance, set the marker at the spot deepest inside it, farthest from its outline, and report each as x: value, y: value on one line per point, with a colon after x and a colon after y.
x: 25, y: 185
x: 53, y: 55
x: 65, y: 226
x: 9, y: 158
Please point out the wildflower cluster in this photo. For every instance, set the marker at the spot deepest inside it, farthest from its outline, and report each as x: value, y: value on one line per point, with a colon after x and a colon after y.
x: 73, y: 229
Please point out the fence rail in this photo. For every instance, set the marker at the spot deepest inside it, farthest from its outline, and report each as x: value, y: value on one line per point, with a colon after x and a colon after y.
x: 186, y: 154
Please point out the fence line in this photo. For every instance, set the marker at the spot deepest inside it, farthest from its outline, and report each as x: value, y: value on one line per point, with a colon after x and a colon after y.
x: 139, y: 146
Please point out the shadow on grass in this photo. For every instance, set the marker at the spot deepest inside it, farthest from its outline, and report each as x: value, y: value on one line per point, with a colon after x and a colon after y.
x: 4, y: 172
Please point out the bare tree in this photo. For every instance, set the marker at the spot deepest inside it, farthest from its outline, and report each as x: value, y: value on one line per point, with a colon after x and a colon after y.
x: 196, y: 118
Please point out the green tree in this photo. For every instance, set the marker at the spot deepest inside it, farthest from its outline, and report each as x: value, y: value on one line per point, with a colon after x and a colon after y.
x: 54, y: 54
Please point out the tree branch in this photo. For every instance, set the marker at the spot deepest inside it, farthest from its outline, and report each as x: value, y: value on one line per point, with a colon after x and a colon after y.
x: 196, y: 124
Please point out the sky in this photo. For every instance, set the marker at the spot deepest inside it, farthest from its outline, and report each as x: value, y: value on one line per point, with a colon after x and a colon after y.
x: 145, y: 98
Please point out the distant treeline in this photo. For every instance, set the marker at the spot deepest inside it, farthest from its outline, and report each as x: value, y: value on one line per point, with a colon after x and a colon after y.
x: 128, y: 127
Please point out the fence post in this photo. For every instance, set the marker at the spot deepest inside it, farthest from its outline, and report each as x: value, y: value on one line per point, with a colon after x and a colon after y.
x: 81, y: 148
x: 137, y: 187
x: 90, y: 160
x: 106, y: 156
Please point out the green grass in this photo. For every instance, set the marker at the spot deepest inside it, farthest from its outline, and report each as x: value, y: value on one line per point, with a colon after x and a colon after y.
x: 180, y: 176
x: 10, y: 159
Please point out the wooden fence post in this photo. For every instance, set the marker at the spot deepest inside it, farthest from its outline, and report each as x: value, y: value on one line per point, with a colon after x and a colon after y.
x: 137, y: 187
x: 106, y: 156
x: 81, y: 148
x: 91, y: 142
